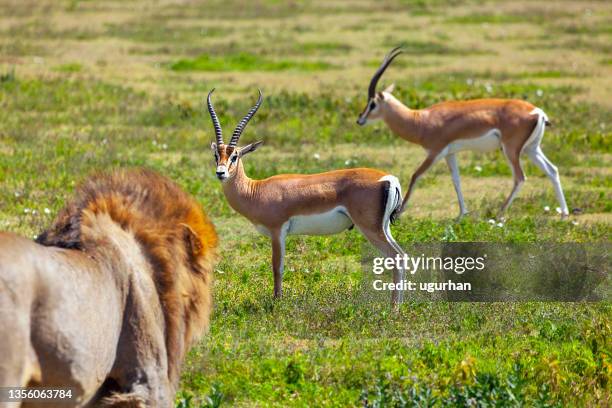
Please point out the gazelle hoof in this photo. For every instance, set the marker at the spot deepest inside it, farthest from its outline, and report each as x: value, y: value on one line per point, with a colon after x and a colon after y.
x: 461, y: 215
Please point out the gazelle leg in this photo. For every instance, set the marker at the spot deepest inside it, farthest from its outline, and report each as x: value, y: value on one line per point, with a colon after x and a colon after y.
x: 385, y: 243
x: 431, y: 159
x: 398, y: 273
x: 539, y: 159
x: 278, y: 260
x: 518, y: 176
x: 451, y: 161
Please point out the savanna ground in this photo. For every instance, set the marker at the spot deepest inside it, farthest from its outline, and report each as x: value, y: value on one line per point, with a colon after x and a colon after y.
x: 88, y: 85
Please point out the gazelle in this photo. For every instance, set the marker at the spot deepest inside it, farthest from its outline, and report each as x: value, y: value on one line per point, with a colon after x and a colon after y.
x: 449, y: 127
x: 313, y: 204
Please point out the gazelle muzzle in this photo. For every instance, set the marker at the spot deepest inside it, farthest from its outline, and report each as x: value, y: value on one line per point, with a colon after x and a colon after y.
x: 222, y: 173
x: 363, y: 116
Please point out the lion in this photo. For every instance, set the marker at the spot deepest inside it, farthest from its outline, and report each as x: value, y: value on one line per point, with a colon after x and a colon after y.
x: 108, y: 300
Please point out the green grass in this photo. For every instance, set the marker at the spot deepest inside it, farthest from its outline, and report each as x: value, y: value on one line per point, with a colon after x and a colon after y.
x: 70, y: 67
x: 155, y: 31
x: 414, y: 47
x: 245, y: 62
x: 486, y: 19
x: 42, y: 28
x: 126, y: 87
x: 552, y: 73
x: 531, y: 15
x: 322, y: 48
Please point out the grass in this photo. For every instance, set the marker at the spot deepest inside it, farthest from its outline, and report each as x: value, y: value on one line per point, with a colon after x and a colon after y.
x: 70, y: 67
x: 126, y: 88
x: 486, y: 19
x: 155, y: 31
x: 322, y: 47
x: 429, y: 47
x: 245, y: 62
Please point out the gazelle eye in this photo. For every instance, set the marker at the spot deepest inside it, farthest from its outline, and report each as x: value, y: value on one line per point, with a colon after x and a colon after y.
x: 234, y: 158
x: 373, y: 105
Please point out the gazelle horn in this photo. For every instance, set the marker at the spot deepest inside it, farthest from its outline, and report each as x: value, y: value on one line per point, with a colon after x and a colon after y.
x: 242, y: 124
x: 381, y: 70
x: 215, y: 119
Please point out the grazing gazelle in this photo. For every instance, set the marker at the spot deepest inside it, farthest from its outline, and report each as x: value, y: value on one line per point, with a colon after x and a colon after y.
x: 313, y: 204
x: 449, y: 127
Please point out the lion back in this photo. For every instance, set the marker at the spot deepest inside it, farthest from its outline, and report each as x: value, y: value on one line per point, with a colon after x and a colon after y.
x: 174, y: 233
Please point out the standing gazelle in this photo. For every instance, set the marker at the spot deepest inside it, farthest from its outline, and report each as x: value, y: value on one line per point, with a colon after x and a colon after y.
x: 313, y: 204
x: 449, y: 127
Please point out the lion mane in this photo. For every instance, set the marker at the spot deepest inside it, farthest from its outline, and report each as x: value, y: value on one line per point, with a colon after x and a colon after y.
x: 176, y: 237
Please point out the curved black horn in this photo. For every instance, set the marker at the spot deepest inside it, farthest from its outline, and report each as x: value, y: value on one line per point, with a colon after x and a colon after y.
x: 388, y: 58
x: 242, y: 124
x: 215, y: 119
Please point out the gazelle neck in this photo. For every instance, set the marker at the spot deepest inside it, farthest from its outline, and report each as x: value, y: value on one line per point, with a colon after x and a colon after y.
x: 403, y: 121
x: 239, y: 190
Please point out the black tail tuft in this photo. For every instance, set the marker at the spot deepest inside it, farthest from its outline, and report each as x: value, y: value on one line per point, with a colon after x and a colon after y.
x: 394, y: 216
x: 548, y: 123
x: 395, y: 213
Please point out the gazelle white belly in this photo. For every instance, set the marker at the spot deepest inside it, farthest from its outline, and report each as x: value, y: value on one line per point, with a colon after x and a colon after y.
x: 327, y: 223
x: 486, y: 143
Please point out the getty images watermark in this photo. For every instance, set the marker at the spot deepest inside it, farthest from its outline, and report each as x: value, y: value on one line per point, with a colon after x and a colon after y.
x: 493, y: 272
x: 411, y: 264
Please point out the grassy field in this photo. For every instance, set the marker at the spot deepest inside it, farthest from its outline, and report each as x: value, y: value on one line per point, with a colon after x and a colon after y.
x: 92, y: 85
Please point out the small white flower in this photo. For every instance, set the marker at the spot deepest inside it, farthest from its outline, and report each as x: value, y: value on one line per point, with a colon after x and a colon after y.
x: 491, y: 221
x: 500, y: 224
x: 26, y: 210
x: 154, y: 142
x: 34, y: 212
x: 546, y: 208
x: 574, y: 222
x: 47, y: 211
x: 488, y: 88
x: 17, y: 194
x: 469, y: 81
x: 164, y: 146
x: 478, y: 168
x: 34, y: 236
x: 558, y: 210
x: 539, y: 92
x: 316, y: 156
x: 348, y: 162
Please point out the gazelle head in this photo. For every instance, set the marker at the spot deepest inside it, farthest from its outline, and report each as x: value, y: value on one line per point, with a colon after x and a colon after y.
x: 376, y: 100
x: 227, y: 156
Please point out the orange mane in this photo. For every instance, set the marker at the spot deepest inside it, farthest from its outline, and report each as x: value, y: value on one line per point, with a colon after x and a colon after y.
x: 176, y: 237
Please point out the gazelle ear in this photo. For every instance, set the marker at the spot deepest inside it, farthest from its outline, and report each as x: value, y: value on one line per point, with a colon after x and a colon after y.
x: 250, y: 148
x: 390, y: 88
